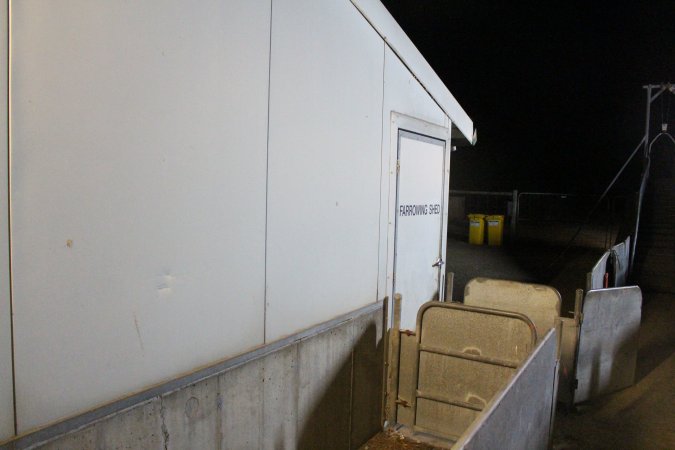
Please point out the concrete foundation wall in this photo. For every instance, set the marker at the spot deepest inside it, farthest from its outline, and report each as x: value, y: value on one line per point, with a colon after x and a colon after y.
x: 322, y: 390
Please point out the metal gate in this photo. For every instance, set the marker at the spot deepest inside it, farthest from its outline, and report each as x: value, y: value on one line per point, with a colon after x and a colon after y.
x: 608, y: 341
x: 465, y: 355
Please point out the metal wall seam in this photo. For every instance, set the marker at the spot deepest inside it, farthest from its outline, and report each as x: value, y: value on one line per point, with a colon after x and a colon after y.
x: 379, y: 228
x: 267, y: 171
x: 9, y: 206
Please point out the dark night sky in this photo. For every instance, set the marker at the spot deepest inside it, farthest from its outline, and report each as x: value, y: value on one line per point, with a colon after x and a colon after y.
x: 554, y: 89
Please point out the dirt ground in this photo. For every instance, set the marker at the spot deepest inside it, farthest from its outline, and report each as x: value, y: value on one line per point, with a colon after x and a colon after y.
x: 531, y: 263
x: 389, y: 440
x: 643, y: 415
x: 639, y: 417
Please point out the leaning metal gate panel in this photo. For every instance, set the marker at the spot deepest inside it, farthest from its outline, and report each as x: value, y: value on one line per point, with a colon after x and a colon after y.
x: 608, y: 341
x: 464, y: 356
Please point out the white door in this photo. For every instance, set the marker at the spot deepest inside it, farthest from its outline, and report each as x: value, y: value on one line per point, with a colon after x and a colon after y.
x: 419, y: 222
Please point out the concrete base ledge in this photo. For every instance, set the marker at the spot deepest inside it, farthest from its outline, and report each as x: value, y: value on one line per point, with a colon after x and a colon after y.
x: 292, y: 393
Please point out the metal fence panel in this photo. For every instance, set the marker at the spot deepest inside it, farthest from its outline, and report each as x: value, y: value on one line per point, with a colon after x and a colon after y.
x: 465, y: 356
x: 541, y: 304
x: 608, y: 341
x: 520, y: 416
x: 620, y: 261
x: 570, y: 334
x: 596, y: 277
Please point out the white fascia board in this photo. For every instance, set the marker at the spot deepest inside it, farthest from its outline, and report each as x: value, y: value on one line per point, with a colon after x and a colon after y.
x: 385, y: 25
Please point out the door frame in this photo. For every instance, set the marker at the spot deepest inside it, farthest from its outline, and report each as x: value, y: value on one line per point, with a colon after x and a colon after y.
x: 417, y: 126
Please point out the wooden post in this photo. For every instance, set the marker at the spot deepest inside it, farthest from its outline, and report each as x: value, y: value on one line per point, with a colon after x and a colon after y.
x: 578, y: 320
x: 449, y: 284
x: 394, y: 356
x: 385, y: 366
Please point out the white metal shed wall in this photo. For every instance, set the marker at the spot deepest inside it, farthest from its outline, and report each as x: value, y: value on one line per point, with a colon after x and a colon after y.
x: 402, y: 94
x: 6, y: 388
x: 138, y: 193
x: 162, y: 217
x: 405, y: 49
x: 324, y: 163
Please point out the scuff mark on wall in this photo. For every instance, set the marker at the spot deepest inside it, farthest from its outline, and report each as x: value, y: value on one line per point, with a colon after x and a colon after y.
x: 165, y: 284
x: 138, y: 333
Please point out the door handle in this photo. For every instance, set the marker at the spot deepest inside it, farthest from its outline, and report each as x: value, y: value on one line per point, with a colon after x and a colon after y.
x: 439, y: 262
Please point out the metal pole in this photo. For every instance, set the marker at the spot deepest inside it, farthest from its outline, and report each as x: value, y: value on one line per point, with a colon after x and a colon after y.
x: 449, y: 286
x: 394, y: 359
x: 385, y: 366
x: 578, y: 321
x: 648, y: 120
x: 514, y: 214
x: 643, y: 179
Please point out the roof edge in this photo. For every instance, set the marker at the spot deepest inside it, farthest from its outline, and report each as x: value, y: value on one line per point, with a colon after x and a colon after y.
x: 392, y: 33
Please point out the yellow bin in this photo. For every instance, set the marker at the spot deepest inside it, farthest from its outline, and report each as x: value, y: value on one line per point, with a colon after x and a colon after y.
x: 495, y: 229
x: 476, y: 229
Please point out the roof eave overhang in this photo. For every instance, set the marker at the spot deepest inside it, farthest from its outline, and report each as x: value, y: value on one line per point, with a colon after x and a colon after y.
x: 385, y: 25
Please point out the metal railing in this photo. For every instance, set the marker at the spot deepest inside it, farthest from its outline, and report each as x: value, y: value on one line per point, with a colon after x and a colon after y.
x: 566, y: 217
x: 462, y: 203
x: 538, y: 215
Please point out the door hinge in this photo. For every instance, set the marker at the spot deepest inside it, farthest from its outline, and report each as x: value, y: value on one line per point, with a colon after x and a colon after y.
x: 398, y: 165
